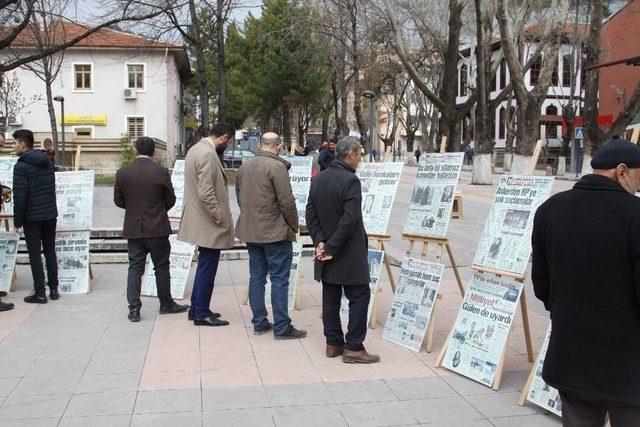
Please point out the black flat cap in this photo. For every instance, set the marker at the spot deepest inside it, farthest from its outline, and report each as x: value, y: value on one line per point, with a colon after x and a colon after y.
x: 615, y: 152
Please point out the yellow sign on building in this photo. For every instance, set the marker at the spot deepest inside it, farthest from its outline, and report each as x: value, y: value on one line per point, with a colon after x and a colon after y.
x: 85, y: 119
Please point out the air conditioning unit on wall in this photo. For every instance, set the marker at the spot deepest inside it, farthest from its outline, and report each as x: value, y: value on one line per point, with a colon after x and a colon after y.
x: 130, y: 94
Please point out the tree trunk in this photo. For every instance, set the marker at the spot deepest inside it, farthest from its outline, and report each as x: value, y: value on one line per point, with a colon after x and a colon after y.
x: 286, y: 127
x: 482, y: 169
x: 562, y: 166
x: 203, y: 94
x: 52, y: 112
x: 222, y: 69
x: 325, y: 125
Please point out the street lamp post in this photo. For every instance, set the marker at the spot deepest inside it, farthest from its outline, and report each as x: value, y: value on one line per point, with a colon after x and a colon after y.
x: 372, y: 119
x: 60, y: 99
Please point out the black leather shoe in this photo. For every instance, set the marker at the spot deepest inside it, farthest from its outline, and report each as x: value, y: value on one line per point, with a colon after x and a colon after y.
x: 134, y: 315
x: 6, y: 306
x: 175, y: 308
x: 210, y: 321
x: 266, y: 328
x: 54, y: 294
x: 291, y: 334
x: 3, y: 294
x: 191, y: 315
x: 34, y: 298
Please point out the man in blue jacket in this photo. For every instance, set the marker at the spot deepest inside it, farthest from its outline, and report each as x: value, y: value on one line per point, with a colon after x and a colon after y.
x: 35, y: 211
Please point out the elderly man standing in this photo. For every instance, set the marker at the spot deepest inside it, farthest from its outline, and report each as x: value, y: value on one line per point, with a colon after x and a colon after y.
x: 334, y: 219
x: 206, y: 218
x: 268, y: 223
x: 586, y: 271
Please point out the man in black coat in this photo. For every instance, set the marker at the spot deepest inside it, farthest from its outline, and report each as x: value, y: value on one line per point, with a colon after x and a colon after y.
x: 145, y: 191
x: 586, y: 271
x: 327, y: 155
x: 35, y: 211
x: 334, y: 220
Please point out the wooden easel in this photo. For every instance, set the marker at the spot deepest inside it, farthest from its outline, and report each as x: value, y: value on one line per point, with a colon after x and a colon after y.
x: 380, y: 239
x: 523, y: 301
x: 77, y: 162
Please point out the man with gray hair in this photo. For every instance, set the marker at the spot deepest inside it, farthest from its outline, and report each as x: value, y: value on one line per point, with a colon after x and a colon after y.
x: 268, y: 223
x: 334, y: 219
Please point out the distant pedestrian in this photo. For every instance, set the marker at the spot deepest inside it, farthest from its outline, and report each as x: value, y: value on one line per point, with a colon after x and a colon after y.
x: 376, y: 155
x: 417, y: 153
x: 47, y: 147
x: 144, y: 190
x: 35, y: 211
x: 327, y: 155
x: 586, y: 271
x: 268, y: 223
x: 468, y: 155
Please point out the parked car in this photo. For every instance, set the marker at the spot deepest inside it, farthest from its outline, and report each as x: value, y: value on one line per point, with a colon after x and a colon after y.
x: 234, y: 158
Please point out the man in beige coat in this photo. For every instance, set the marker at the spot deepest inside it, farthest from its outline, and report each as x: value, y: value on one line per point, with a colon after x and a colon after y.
x: 268, y: 223
x: 206, y: 218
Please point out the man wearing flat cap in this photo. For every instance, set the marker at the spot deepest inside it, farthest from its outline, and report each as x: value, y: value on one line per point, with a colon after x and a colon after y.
x: 586, y: 271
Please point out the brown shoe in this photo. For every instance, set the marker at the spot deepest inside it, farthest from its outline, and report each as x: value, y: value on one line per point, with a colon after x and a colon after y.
x: 334, y: 350
x: 359, y: 357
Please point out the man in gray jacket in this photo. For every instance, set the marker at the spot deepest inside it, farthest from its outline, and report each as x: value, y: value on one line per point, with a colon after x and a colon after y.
x: 268, y: 223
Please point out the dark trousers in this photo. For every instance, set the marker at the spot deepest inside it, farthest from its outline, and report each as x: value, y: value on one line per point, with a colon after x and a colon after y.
x: 577, y: 412
x: 206, y: 271
x: 358, y: 297
x: 40, y: 236
x: 159, y: 248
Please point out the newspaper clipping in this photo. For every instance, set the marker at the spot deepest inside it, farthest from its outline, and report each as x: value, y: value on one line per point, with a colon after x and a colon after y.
x: 180, y: 259
x: 379, y: 184
x: 294, y: 278
x: 482, y: 327
x: 541, y: 393
x: 177, y: 180
x: 433, y: 193
x: 376, y: 258
x: 72, y: 251
x: 300, y: 176
x: 74, y: 197
x: 6, y: 178
x: 8, y: 253
x: 505, y: 244
x: 413, y: 303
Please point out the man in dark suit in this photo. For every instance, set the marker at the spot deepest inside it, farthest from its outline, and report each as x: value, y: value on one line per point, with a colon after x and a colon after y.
x: 144, y: 190
x: 334, y: 220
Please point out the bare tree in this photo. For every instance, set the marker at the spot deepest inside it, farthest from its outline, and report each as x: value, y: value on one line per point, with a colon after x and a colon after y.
x: 12, y: 101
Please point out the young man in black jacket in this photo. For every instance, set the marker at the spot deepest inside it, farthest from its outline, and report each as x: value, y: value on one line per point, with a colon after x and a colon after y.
x: 35, y: 211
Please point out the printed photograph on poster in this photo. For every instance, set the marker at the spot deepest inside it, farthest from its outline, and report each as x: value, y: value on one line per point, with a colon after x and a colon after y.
x: 505, y: 244
x: 6, y: 178
x: 379, y: 182
x: 413, y: 302
x: 482, y: 327
x: 433, y: 194
x: 300, y: 178
x: 376, y: 258
x: 8, y: 254
x: 177, y: 180
x: 74, y: 198
x: 72, y: 252
x: 294, y: 278
x: 180, y: 259
x: 540, y: 393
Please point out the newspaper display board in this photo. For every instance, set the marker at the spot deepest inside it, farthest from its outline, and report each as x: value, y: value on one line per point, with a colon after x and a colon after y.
x: 177, y: 180
x: 300, y: 177
x: 74, y: 198
x: 541, y: 393
x: 376, y: 258
x: 8, y: 254
x: 482, y: 327
x: 72, y: 252
x: 413, y: 302
x: 505, y: 244
x: 6, y: 178
x: 294, y: 277
x: 180, y: 259
x: 379, y: 183
x: 433, y: 194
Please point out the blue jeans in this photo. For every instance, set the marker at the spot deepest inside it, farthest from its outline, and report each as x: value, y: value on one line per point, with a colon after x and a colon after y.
x: 203, y: 284
x: 273, y: 259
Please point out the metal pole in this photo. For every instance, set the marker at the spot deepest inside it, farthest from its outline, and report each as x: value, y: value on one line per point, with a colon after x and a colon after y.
x: 62, y: 125
x: 372, y: 126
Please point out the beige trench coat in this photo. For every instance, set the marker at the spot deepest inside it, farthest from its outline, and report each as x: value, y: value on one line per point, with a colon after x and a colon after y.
x: 206, y: 216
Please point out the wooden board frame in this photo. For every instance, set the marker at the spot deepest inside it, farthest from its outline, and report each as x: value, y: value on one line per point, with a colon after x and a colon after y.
x: 380, y: 239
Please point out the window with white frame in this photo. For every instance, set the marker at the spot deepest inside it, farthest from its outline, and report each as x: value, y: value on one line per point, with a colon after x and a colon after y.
x: 82, y: 76
x: 135, y: 126
x: 135, y: 76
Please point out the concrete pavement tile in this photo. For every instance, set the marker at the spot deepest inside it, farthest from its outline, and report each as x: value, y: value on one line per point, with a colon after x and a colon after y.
x: 446, y: 410
x: 99, y: 421
x: 41, y: 406
x: 467, y: 387
x: 517, y: 379
x: 377, y: 414
x: 172, y: 419
x: 31, y: 422
x: 106, y: 403
x: 47, y: 384
x: 234, y: 398
x: 10, y: 352
x: 538, y: 420
x: 155, y: 401
x: 243, y: 374
x: 361, y: 391
x: 96, y: 383
x: 472, y: 423
x: 248, y: 417
x: 16, y: 368
x: 499, y: 404
x: 298, y: 394
x: 308, y: 416
x: 420, y: 388
x: 7, y: 385
x: 102, y: 364
x: 171, y: 380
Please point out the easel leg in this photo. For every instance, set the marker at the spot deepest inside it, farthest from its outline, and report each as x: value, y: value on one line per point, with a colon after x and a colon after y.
x: 374, y: 310
x: 411, y: 242
x: 455, y: 269
x: 527, y: 386
x: 90, y: 272
x: 14, y: 281
x: 425, y: 249
x: 525, y: 325
x: 246, y: 296
x: 497, y: 381
x: 298, y: 300
x: 388, y: 267
x: 431, y: 328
